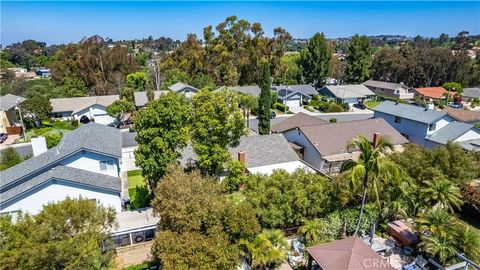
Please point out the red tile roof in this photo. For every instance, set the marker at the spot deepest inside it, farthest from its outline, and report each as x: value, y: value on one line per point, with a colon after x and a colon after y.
x: 432, y: 92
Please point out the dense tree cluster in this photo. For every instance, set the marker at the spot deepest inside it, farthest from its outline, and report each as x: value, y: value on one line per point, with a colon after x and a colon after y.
x: 29, y: 53
x: 230, y: 55
x: 100, y: 68
x: 424, y: 67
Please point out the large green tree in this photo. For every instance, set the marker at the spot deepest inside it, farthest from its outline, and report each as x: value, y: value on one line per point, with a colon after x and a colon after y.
x: 200, y: 228
x: 137, y: 80
x: 37, y: 107
x: 65, y: 235
x: 162, y: 132
x: 441, y: 193
x: 121, y: 110
x: 359, y: 60
x: 315, y: 60
x: 264, y: 105
x: 217, y: 124
x: 283, y: 200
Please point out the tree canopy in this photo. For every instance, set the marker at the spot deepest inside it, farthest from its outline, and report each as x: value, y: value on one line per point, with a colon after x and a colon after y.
x: 65, y: 235
x: 315, y: 61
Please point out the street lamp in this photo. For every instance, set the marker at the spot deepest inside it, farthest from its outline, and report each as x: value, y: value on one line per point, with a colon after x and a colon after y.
x: 21, y: 118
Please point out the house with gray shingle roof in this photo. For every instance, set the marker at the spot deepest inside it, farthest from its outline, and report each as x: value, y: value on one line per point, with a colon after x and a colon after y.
x: 8, y: 115
x: 458, y: 132
x: 141, y: 99
x: 183, y: 88
x: 291, y: 98
x: 253, y: 90
x: 349, y: 93
x: 84, y: 164
x: 261, y: 154
x: 93, y: 107
x: 471, y: 93
x: 395, y: 90
x: 305, y: 89
x: 297, y: 120
x: 324, y: 146
x: 413, y: 122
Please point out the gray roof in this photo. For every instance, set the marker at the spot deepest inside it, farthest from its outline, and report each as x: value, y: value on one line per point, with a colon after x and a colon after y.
x: 9, y: 101
x: 92, y: 137
x: 287, y: 93
x: 471, y: 145
x: 76, y: 104
x: 410, y: 112
x: 259, y: 151
x: 384, y: 85
x: 179, y: 87
x: 65, y: 174
x: 305, y: 89
x: 253, y: 90
x: 297, y: 120
x: 141, y: 99
x: 450, y: 132
x: 349, y: 91
x: 473, y: 92
x: 332, y: 138
x: 135, y: 219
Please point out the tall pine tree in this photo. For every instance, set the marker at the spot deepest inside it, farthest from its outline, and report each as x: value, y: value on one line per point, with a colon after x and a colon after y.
x: 315, y: 60
x: 359, y: 60
x: 264, y: 102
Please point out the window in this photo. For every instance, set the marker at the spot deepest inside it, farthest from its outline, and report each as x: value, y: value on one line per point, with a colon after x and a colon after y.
x: 106, y: 165
x: 432, y: 127
x: 398, y: 119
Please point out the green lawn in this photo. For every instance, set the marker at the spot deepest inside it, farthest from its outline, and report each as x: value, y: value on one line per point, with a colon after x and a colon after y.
x: 371, y: 103
x: 135, y: 178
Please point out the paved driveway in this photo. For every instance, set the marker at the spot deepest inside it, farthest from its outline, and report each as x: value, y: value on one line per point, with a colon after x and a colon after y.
x: 297, y: 109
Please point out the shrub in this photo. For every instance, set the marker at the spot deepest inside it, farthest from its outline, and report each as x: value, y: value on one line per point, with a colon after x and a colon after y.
x: 333, y: 107
x: 53, y: 139
x: 235, y: 176
x: 453, y: 86
x: 143, y: 197
x: 281, y: 107
x: 74, y: 123
x: 42, y: 131
x: 333, y: 120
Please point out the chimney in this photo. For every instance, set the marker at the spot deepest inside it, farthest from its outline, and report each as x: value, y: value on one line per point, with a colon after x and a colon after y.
x: 242, y: 157
x: 376, y: 138
x: 39, y: 146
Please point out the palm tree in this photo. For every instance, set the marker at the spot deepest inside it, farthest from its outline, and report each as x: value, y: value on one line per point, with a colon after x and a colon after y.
x: 441, y: 247
x: 311, y: 230
x: 468, y: 241
x: 442, y: 193
x: 370, y: 168
x: 267, y: 250
x: 436, y: 221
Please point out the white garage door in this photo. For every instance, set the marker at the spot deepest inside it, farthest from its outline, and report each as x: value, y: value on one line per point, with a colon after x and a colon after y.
x: 293, y: 103
x: 103, y: 119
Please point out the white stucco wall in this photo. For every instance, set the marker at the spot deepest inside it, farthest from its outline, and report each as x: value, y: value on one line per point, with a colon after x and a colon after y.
x: 91, y: 162
x: 469, y: 135
x: 287, y: 166
x: 311, y: 155
x: 56, y: 191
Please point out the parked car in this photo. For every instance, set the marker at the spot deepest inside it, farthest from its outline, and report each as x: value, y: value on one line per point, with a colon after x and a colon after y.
x: 361, y: 106
x: 273, y: 115
x: 456, y: 105
x: 3, y: 137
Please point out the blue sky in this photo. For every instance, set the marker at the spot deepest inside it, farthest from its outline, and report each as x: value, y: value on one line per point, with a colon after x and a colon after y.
x: 63, y: 22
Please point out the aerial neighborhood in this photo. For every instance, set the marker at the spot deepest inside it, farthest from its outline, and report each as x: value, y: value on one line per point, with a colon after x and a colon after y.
x: 241, y: 150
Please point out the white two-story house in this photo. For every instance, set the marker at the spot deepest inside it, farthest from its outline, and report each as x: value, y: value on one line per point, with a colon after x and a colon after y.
x: 85, y: 164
